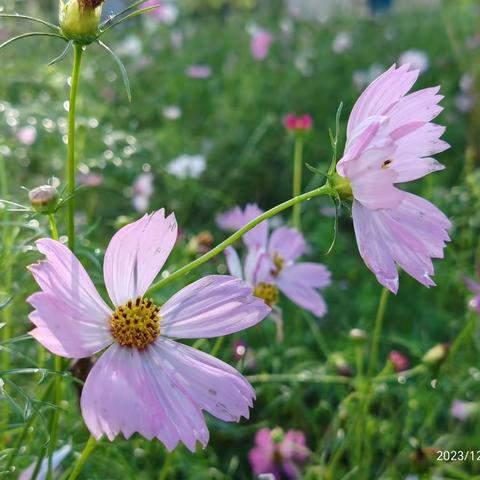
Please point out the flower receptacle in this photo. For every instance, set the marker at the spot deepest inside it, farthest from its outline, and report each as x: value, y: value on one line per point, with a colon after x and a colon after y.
x: 80, y: 20
x: 342, y: 186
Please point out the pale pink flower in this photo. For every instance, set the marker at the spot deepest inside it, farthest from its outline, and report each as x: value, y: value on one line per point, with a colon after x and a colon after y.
x: 417, y: 60
x: 390, y: 140
x: 145, y: 381
x: 27, y: 135
x: 342, y: 42
x: 260, y: 43
x: 463, y: 410
x: 57, y: 458
x: 279, y: 454
x: 90, y: 179
x: 142, y: 192
x: 271, y: 263
x: 166, y: 12
x: 474, y: 287
x: 199, y: 71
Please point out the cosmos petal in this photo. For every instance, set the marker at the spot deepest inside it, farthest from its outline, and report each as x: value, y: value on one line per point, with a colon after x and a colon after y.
x: 213, y: 306
x: 287, y: 243
x: 136, y: 254
x: 71, y: 318
x: 130, y: 391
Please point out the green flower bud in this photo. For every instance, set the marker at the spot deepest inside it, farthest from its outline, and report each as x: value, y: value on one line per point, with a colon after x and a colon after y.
x: 277, y: 435
x: 437, y: 354
x: 358, y: 335
x: 342, y: 186
x: 80, y: 19
x: 44, y: 199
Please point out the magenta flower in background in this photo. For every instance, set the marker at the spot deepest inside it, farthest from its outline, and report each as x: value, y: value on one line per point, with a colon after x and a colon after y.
x: 199, y: 71
x: 260, y: 43
x: 399, y: 361
x: 279, y: 454
x: 297, y: 124
x: 390, y: 140
x: 271, y: 262
x: 145, y: 381
x: 142, y: 192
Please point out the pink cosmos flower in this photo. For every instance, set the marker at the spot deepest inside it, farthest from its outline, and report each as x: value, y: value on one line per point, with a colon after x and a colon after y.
x: 390, y: 140
x: 144, y: 381
x: 297, y: 124
x: 277, y: 453
x: 271, y: 262
x: 142, y: 192
x: 27, y: 135
x: 199, y: 71
x: 260, y: 44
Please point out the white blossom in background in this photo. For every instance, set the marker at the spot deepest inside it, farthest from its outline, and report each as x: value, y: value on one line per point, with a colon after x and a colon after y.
x: 187, y: 166
x: 417, y: 59
x: 342, y: 42
x: 362, y: 78
x: 171, y: 112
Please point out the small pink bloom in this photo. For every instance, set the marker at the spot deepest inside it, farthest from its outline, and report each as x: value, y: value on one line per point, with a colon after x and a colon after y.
x: 271, y: 263
x: 260, y: 44
x: 144, y: 381
x: 279, y: 454
x: 142, y: 192
x: 463, y: 410
x: 166, y: 12
x: 27, y: 135
x: 297, y: 124
x: 474, y: 287
x: 199, y: 71
x: 90, y: 179
x: 390, y: 140
x: 342, y: 42
x: 399, y: 361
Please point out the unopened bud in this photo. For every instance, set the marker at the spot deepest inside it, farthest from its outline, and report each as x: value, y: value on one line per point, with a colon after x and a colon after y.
x: 277, y: 435
x: 358, y: 335
x: 399, y: 361
x: 43, y: 199
x: 437, y: 354
x: 80, y: 19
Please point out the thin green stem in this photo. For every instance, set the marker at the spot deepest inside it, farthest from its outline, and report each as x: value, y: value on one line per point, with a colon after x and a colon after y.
x: 164, y: 472
x: 366, y: 386
x: 297, y: 179
x: 324, y: 190
x: 83, y: 457
x: 377, y: 332
x: 71, y: 166
x: 7, y: 278
x: 217, y: 346
x: 53, y: 226
x: 55, y: 416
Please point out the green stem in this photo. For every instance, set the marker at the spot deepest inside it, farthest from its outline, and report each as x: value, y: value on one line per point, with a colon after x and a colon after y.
x: 377, y: 332
x: 71, y: 167
x: 366, y: 386
x: 166, y: 466
x: 297, y: 180
x: 7, y: 279
x: 216, y: 347
x: 324, y: 190
x: 83, y: 457
x: 57, y: 382
x: 53, y: 226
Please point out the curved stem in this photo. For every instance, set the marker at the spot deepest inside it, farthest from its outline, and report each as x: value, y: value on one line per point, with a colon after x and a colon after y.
x: 31, y: 34
x: 71, y: 167
x: 324, y: 190
x: 33, y: 19
x: 297, y: 180
x: 83, y: 457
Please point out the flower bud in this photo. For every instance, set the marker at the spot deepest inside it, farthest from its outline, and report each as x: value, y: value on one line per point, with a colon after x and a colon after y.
x: 358, y: 335
x: 80, y: 19
x: 399, y: 361
x: 436, y: 354
x: 43, y: 199
x: 277, y: 435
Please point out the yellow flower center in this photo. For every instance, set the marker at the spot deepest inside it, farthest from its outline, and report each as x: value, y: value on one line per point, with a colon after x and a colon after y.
x: 136, y: 324
x: 278, y: 261
x: 267, y: 292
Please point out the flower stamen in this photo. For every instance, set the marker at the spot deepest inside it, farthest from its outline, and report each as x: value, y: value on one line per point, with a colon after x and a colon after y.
x: 267, y: 292
x: 279, y: 262
x: 136, y: 324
